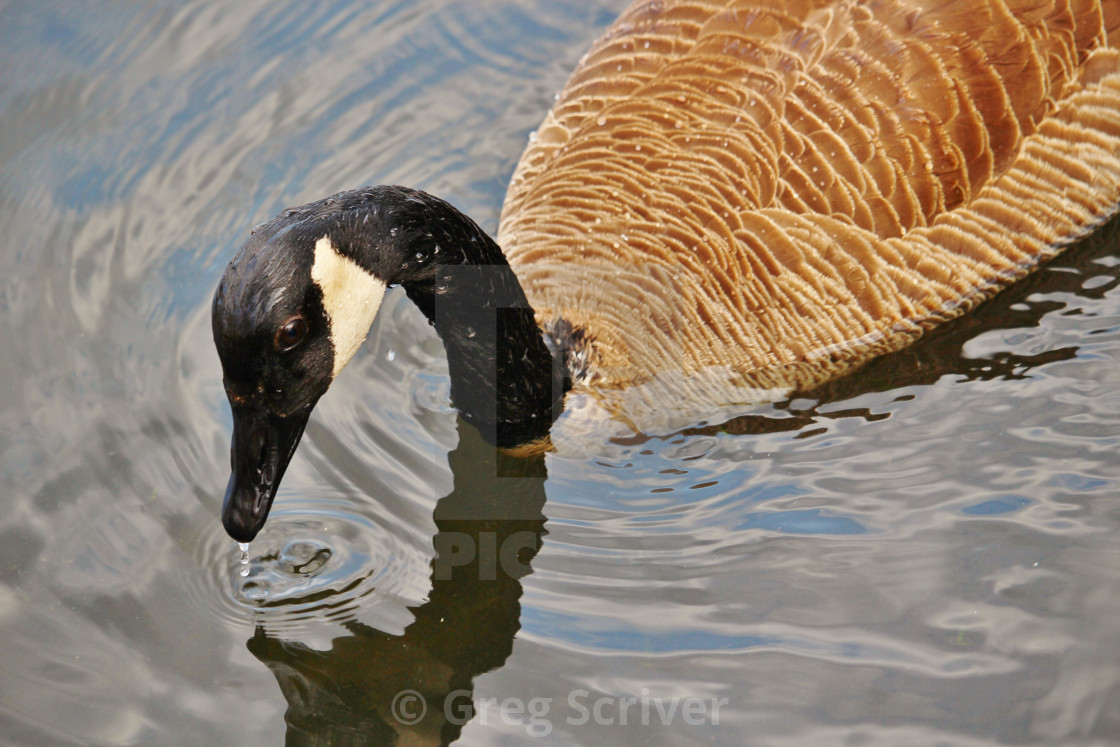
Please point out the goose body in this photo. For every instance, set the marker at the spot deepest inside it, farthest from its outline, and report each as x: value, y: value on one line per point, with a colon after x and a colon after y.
x: 786, y: 189
x: 728, y: 199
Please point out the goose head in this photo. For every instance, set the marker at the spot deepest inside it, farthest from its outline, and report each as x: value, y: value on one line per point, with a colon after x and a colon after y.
x: 298, y: 299
x: 290, y: 311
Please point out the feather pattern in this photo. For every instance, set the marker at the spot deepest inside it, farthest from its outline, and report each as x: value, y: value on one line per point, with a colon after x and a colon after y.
x: 778, y: 190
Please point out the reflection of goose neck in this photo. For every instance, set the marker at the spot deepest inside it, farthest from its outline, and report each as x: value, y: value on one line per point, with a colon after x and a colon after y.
x: 366, y: 688
x: 504, y: 379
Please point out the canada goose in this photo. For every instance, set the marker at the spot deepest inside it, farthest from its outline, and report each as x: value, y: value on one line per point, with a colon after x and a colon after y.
x: 726, y: 196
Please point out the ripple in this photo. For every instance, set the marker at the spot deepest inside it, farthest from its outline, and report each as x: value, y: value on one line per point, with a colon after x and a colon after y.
x: 309, y: 572
x: 316, y: 562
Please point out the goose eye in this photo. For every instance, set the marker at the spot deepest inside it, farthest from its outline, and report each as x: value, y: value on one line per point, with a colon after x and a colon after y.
x: 291, y: 334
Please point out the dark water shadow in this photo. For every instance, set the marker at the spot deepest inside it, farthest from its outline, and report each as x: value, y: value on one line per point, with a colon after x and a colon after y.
x: 374, y: 688
x: 940, y: 352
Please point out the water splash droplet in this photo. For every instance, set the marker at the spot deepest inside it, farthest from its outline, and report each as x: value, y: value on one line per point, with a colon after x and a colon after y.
x: 244, y: 548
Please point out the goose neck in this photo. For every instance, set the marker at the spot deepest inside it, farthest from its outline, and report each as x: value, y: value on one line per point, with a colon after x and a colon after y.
x: 504, y: 379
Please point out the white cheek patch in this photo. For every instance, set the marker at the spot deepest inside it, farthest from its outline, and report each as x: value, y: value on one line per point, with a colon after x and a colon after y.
x: 351, y: 298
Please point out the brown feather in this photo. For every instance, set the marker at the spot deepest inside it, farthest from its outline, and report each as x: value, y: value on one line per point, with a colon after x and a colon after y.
x: 735, y: 196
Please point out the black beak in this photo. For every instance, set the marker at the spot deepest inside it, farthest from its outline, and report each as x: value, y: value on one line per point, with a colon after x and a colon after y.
x: 263, y: 444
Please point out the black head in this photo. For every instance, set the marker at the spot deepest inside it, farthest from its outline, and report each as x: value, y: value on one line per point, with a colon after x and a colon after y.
x: 289, y: 312
x: 299, y: 298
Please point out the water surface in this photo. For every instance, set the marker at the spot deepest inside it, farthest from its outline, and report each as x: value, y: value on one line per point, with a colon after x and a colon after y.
x: 923, y: 553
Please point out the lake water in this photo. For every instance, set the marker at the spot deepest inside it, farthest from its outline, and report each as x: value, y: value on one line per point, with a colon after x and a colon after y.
x: 928, y: 552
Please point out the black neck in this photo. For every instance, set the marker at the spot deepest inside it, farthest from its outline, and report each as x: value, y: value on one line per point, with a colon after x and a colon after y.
x: 504, y: 379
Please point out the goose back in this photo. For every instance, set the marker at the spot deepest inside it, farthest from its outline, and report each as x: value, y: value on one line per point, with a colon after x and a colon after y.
x: 740, y: 195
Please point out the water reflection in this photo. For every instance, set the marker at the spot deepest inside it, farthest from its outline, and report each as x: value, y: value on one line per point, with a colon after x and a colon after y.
x: 373, y: 687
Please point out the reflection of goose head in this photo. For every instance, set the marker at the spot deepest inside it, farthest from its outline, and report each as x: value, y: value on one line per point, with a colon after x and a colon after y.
x: 774, y: 196
x: 367, y: 687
